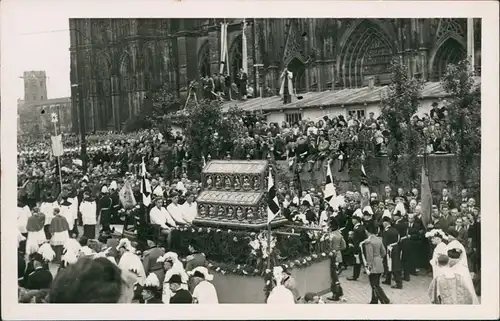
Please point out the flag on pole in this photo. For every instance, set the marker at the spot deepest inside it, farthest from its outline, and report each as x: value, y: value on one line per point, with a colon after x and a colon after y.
x: 364, y: 190
x: 223, y: 47
x: 226, y: 49
x: 273, y: 207
x: 57, y: 146
x: 470, y: 41
x: 244, y: 53
x: 145, y: 185
x: 426, y: 195
x: 330, y: 192
x: 126, y: 195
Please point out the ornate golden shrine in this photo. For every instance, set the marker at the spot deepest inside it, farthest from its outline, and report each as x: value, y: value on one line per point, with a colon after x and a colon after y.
x: 234, y: 194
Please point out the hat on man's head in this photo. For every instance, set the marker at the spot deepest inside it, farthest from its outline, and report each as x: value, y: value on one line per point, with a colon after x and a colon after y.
x: 386, y: 219
x: 201, y: 272
x: 454, y: 253
x: 175, y: 279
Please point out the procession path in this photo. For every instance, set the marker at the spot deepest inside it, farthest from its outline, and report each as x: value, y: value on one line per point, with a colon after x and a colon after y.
x: 359, y: 292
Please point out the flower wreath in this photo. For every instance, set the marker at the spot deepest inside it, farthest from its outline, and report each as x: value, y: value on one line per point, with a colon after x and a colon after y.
x: 438, y: 233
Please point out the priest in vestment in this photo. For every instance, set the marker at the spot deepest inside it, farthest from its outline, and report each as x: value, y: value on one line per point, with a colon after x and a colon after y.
x: 454, y: 284
x: 59, y: 229
x: 36, y: 234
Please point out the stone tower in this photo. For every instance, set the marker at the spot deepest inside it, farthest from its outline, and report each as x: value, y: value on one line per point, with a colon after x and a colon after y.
x: 35, y: 86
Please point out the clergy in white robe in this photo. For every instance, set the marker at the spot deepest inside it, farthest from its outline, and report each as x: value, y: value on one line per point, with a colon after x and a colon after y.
x: 47, y: 209
x: 74, y: 206
x: 159, y: 215
x: 189, y: 209
x: 67, y: 212
x: 23, y: 213
x: 176, y: 211
x: 88, y: 208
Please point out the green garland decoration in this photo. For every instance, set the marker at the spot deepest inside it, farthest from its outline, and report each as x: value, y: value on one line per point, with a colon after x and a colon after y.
x: 230, y: 252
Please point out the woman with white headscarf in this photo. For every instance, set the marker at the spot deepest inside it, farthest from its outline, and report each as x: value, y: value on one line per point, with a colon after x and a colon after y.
x: 455, y: 244
x: 437, y: 237
x: 172, y: 266
x: 204, y: 291
x: 129, y: 261
x: 280, y: 294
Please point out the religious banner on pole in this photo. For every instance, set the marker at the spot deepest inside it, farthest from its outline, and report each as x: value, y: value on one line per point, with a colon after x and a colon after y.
x: 244, y: 51
x: 126, y: 195
x: 57, y: 146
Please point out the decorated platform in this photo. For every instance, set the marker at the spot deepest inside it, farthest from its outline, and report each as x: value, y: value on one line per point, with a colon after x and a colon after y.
x: 234, y: 195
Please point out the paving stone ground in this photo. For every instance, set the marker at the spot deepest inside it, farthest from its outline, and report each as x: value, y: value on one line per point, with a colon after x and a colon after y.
x: 359, y: 292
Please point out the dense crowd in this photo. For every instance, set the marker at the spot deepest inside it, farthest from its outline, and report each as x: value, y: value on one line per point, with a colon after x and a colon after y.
x: 48, y: 216
x: 52, y: 226
x: 112, y: 155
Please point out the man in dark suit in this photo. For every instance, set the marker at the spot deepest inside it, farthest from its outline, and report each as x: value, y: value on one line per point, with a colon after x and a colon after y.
x: 392, y: 261
x: 40, y: 278
x: 181, y: 296
x: 411, y: 246
x: 475, y: 236
x: 446, y: 220
x: 387, y: 195
x: 463, y: 233
x: 399, y: 224
x: 446, y: 198
x: 464, y: 196
x: 242, y: 78
x: 373, y: 252
x: 338, y: 244
x: 358, y: 237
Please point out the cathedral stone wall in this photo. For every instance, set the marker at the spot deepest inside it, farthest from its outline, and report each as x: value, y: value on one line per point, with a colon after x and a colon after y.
x: 118, y: 64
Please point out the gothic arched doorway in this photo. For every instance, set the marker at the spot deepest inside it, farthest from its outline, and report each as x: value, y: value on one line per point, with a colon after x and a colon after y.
x: 104, y: 108
x: 367, y: 53
x: 125, y: 108
x: 204, y: 60
x: 450, y: 52
x: 235, y: 57
x: 298, y: 69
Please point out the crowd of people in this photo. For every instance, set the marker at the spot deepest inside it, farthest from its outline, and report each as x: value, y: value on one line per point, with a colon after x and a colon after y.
x: 308, y: 143
x: 48, y: 232
x: 49, y: 215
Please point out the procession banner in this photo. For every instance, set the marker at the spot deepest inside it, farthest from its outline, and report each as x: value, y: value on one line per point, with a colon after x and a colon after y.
x: 127, y: 196
x: 426, y: 198
x: 57, y: 146
x: 364, y: 189
x: 244, y: 52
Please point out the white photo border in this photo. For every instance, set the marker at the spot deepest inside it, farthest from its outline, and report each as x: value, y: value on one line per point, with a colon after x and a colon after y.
x: 37, y: 11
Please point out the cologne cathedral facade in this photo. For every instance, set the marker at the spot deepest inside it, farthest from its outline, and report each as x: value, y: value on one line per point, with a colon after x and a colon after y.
x: 118, y: 64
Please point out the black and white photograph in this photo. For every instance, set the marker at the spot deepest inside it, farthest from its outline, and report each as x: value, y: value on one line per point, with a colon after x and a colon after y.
x: 241, y: 159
